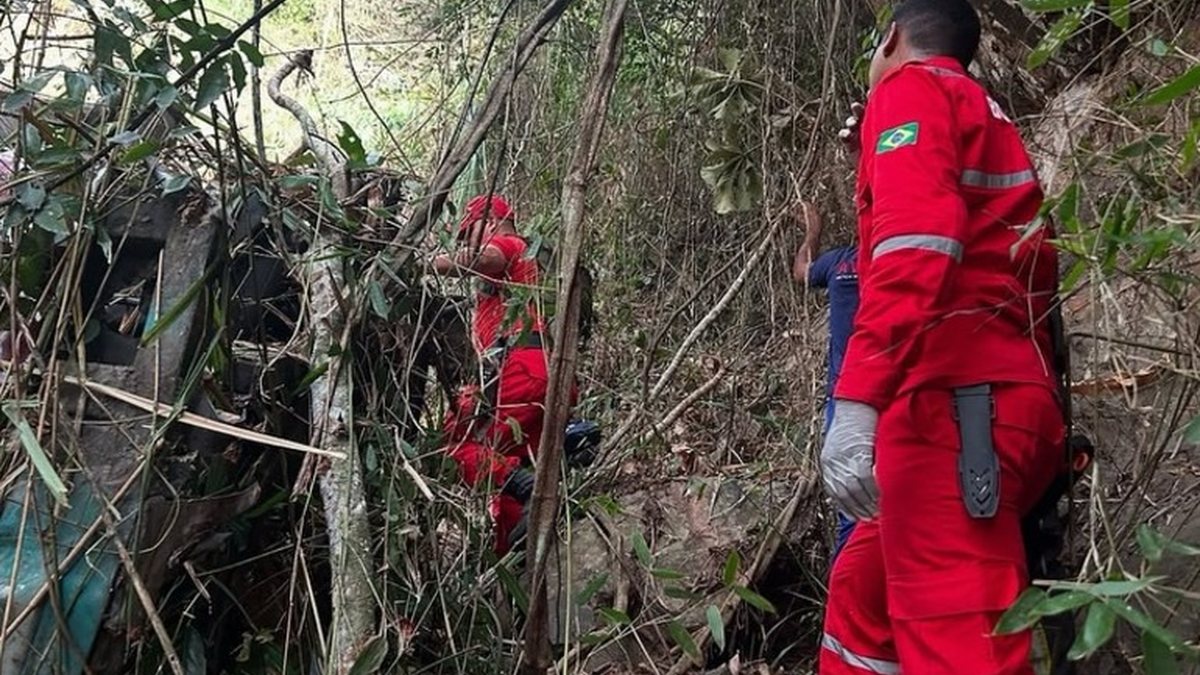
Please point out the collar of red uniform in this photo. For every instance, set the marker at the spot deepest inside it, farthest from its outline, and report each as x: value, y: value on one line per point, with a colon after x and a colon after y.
x: 943, y: 62
x: 947, y: 62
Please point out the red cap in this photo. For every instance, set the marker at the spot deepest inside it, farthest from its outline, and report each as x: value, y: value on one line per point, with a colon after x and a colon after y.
x: 484, y: 206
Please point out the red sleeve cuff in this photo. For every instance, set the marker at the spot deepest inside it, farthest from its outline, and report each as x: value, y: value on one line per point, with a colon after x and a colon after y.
x: 874, y: 384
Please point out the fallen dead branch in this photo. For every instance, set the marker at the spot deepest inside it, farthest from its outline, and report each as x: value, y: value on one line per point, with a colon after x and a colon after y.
x: 193, y: 420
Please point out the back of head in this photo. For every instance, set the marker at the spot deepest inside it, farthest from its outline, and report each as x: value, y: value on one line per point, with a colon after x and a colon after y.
x: 489, y: 208
x: 940, y: 27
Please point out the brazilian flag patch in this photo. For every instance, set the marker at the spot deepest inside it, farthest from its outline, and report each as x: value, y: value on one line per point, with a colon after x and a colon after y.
x: 897, y: 137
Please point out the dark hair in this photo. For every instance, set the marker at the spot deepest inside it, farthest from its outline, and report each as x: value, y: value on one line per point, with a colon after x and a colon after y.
x: 941, y: 27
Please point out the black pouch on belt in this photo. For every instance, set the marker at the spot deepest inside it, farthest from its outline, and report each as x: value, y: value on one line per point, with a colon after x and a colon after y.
x: 978, y: 467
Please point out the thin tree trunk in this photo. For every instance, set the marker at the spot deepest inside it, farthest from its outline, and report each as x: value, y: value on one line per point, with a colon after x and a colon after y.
x: 457, y: 157
x: 544, y: 504
x: 256, y: 92
x: 340, y: 480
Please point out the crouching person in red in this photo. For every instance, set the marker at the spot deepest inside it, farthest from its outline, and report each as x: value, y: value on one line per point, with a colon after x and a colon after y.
x: 946, y: 428
x: 495, y: 426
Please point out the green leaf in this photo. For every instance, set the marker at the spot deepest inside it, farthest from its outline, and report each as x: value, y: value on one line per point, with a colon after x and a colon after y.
x: 680, y: 593
x: 166, y: 96
x: 41, y: 462
x: 379, y: 303
x: 175, y: 184
x: 132, y: 20
x: 16, y: 100
x: 1055, y: 38
x: 1157, y: 657
x: 31, y: 195
x: 213, y: 83
x: 1154, y: 544
x: 165, y: 11
x: 666, y: 574
x: 614, y: 616
x: 1097, y: 630
x: 1122, y: 588
x: 641, y: 549
x: 155, y: 325
x: 139, y: 152
x: 684, y: 639
x: 1052, y: 5
x: 296, y: 182
x: 52, y: 218
x: 56, y: 156
x: 1191, y: 433
x: 1150, y: 542
x: 182, y: 131
x: 77, y: 85
x: 217, y: 30
x: 352, y: 145
x: 1140, y: 620
x: 1158, y: 48
x: 127, y: 137
x: 38, y: 82
x: 513, y: 586
x: 1057, y: 603
x: 32, y: 140
x: 109, y: 41
x: 1022, y: 615
x: 253, y: 55
x: 754, y: 599
x: 1118, y: 10
x: 370, y: 659
x: 733, y: 563
x: 238, y: 69
x: 195, y: 662
x: 591, y: 589
x: 1172, y: 90
x: 716, y: 626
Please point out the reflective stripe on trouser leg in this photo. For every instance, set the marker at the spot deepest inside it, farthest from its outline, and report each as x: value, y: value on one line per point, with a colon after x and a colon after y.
x: 919, y: 242
x: 857, y: 631
x: 858, y: 661
x: 949, y: 576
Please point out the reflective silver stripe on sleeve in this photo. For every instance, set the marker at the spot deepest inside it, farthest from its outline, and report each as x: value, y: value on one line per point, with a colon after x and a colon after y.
x: 996, y: 181
x: 919, y: 242
x: 880, y: 666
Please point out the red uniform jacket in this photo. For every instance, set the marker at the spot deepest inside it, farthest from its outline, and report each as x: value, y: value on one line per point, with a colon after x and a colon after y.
x: 956, y: 273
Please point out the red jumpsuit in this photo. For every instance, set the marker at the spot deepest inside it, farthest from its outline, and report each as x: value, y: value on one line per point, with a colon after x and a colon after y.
x: 955, y: 287
x: 489, y: 441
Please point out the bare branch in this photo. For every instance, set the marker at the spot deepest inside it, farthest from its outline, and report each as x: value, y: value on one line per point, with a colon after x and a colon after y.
x: 544, y: 503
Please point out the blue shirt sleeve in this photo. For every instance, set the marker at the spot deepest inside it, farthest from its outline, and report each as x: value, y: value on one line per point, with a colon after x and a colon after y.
x: 821, y: 269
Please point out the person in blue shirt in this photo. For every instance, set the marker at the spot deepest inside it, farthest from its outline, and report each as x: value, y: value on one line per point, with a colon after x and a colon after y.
x: 834, y: 270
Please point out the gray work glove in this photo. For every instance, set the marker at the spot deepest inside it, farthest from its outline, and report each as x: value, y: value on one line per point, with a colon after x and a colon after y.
x: 848, y: 459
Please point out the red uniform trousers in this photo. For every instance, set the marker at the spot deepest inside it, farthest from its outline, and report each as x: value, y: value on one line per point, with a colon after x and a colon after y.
x: 919, y: 590
x: 488, y: 447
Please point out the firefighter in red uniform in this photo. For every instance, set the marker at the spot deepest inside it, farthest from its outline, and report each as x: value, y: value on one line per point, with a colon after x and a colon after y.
x: 946, y: 427
x: 495, y: 427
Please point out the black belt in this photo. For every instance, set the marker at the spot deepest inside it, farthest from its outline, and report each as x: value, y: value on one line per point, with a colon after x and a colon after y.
x: 978, y: 467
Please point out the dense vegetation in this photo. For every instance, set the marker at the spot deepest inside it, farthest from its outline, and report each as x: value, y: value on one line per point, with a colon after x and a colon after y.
x: 705, y: 362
